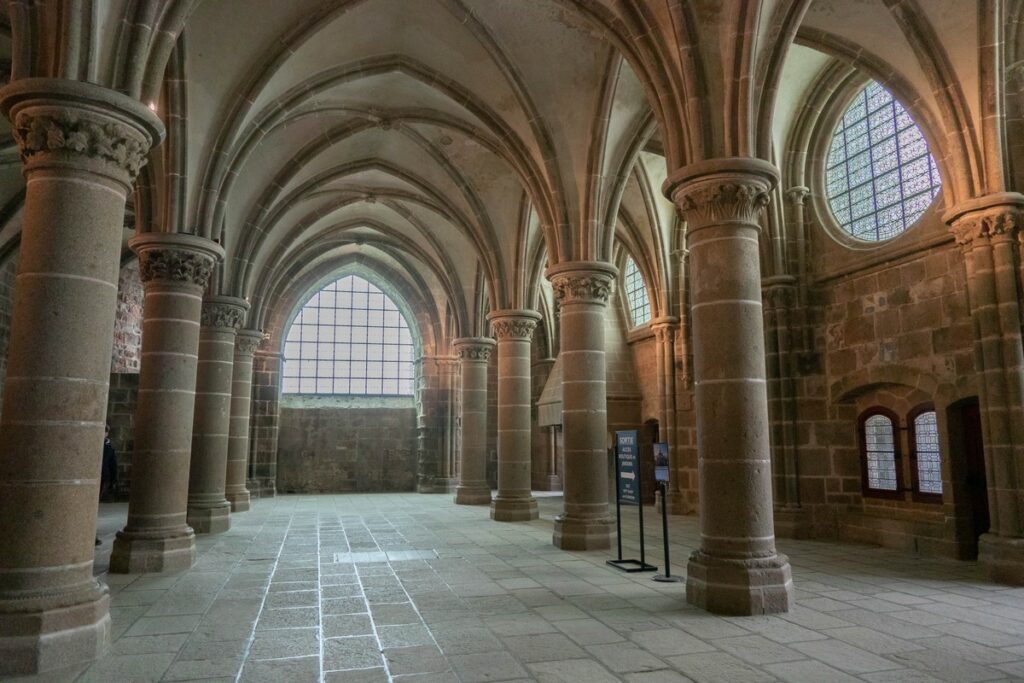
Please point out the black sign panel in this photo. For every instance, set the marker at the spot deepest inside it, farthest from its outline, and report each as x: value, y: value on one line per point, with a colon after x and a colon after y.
x: 627, y: 453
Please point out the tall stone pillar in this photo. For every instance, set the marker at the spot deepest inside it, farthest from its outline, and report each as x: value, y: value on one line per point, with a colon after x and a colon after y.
x: 474, y: 354
x: 238, y: 433
x: 265, y: 418
x: 81, y: 146
x: 988, y: 230
x: 174, y: 269
x: 514, y: 331
x: 665, y: 330
x: 736, y: 570
x: 582, y: 289
x: 208, y: 508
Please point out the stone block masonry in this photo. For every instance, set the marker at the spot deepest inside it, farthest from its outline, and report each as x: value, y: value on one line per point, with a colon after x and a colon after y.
x: 328, y: 448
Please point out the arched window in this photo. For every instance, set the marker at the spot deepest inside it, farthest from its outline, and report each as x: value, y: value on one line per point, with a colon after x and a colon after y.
x: 880, y: 175
x: 925, y: 456
x: 349, y: 338
x: 636, y: 294
x: 879, y: 453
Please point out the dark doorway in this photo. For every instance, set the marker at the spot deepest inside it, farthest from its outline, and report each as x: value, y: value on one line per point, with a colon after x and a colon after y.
x: 968, y: 471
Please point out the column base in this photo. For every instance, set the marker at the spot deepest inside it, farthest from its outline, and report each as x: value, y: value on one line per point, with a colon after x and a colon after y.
x: 793, y: 523
x: 572, y: 533
x: 141, y: 553
x: 551, y: 482
x: 210, y: 520
x: 739, y: 587
x: 239, y: 501
x: 1003, y: 558
x: 514, y: 509
x: 472, y: 495
x: 54, y: 639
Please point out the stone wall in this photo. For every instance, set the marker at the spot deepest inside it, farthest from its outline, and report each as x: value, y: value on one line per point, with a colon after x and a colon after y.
x: 263, y: 423
x: 332, y: 445
x: 127, y: 348
x: 8, y: 270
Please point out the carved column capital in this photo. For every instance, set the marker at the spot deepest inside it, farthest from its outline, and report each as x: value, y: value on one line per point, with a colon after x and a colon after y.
x: 80, y: 125
x: 989, y: 218
x: 513, y: 324
x: 224, y: 311
x: 478, y: 349
x: 175, y: 259
x: 798, y: 195
x: 717, y: 191
x: 582, y: 282
x: 247, y: 341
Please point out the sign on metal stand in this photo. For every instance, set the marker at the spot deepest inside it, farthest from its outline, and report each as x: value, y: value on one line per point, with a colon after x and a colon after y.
x: 661, y: 476
x: 628, y: 491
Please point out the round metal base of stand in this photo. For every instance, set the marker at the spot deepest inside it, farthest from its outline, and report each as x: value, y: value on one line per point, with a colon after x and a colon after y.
x: 661, y: 578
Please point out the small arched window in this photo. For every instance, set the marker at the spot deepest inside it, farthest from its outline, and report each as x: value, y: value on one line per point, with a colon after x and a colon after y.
x: 636, y: 294
x: 349, y: 339
x: 880, y: 175
x: 879, y: 448
x: 925, y: 456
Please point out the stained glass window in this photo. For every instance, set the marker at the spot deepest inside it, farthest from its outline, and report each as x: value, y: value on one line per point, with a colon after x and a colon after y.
x: 349, y: 338
x: 880, y: 452
x: 926, y: 453
x: 880, y: 176
x: 636, y: 294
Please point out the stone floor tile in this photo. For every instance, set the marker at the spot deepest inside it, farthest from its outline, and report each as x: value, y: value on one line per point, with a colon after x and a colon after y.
x: 809, y: 671
x: 390, y: 615
x: 718, y: 667
x: 191, y: 670
x: 625, y: 657
x: 757, y: 650
x: 571, y: 671
x: 358, y: 652
x: 407, y: 635
x: 669, y: 641
x: 341, y: 625
x: 542, y: 647
x: 144, y: 645
x: 588, y: 631
x: 418, y: 659
x: 518, y: 625
x: 150, y: 626
x: 491, y: 666
x: 298, y: 642
x: 134, y: 668
x: 293, y: 617
x: 844, y: 656
x: 303, y: 670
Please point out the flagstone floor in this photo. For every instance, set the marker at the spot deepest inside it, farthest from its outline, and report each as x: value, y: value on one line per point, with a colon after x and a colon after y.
x: 406, y: 587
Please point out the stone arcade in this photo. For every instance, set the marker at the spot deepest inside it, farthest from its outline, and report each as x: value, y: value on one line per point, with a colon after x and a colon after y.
x: 340, y: 275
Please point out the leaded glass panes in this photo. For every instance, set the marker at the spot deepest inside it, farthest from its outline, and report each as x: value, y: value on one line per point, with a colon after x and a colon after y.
x: 880, y: 452
x: 880, y: 176
x: 926, y: 452
x: 349, y: 338
x: 636, y: 294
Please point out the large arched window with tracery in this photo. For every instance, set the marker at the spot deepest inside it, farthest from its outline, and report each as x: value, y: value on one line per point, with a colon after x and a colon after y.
x: 636, y: 293
x: 350, y: 339
x: 880, y: 175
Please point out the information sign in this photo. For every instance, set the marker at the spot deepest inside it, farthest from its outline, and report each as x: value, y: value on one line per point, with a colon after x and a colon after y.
x: 628, y: 462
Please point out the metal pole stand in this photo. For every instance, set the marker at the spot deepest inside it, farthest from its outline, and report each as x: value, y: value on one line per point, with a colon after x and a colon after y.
x: 667, y: 576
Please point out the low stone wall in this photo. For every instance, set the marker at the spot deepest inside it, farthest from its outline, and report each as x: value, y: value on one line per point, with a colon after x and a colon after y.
x: 334, y: 445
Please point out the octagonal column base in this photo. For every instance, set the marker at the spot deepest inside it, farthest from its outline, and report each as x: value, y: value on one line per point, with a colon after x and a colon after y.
x: 1002, y: 558
x: 214, y: 519
x: 54, y: 639
x: 470, y: 494
x: 148, y: 554
x: 240, y: 502
x: 517, y: 509
x: 574, y: 533
x: 739, y: 587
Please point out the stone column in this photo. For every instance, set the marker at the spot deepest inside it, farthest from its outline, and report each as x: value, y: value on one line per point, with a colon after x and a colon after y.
x: 736, y: 570
x: 238, y: 433
x: 81, y: 146
x: 986, y: 229
x: 474, y: 354
x: 208, y: 508
x: 665, y: 331
x: 514, y: 331
x: 174, y: 270
x: 265, y: 417
x: 582, y: 289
